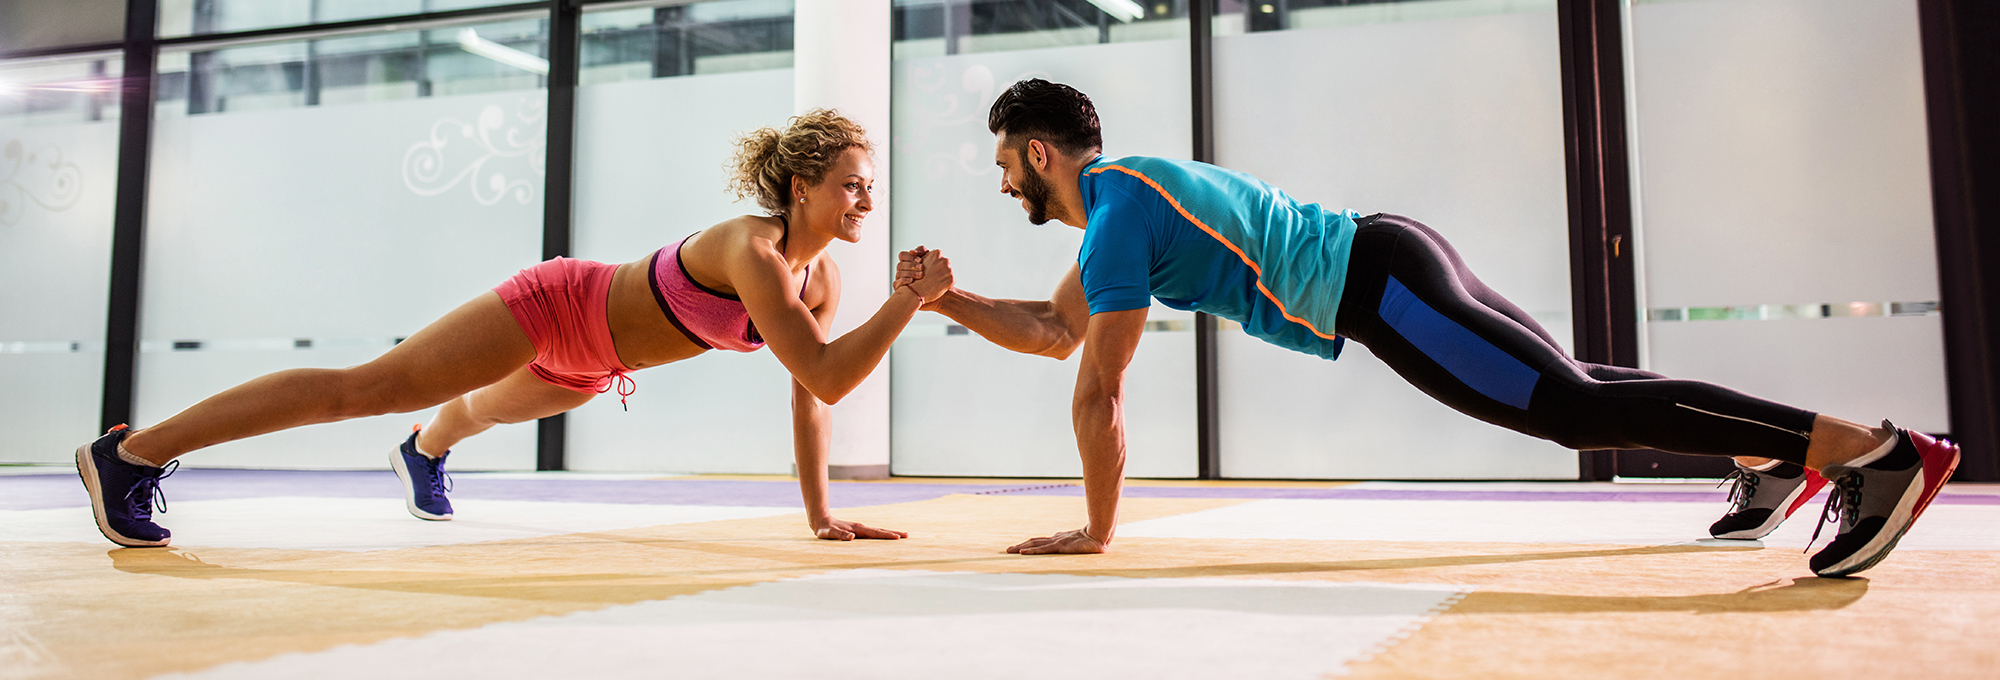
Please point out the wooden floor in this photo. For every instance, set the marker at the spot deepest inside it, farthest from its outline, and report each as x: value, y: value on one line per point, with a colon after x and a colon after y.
x: 305, y: 575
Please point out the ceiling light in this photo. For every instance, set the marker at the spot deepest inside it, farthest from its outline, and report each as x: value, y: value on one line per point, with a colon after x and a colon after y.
x: 1122, y: 10
x: 470, y: 41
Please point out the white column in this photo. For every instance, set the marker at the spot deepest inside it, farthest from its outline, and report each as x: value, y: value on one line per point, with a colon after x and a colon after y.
x: 840, y: 59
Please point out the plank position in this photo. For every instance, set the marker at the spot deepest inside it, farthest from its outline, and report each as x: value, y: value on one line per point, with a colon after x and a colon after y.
x: 1202, y: 238
x: 563, y: 331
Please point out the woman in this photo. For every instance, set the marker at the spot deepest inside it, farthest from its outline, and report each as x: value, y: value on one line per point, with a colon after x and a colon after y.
x: 563, y: 331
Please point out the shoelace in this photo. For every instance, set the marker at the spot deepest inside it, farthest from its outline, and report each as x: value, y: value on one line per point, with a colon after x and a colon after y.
x: 440, y: 480
x: 1746, y: 487
x: 146, y: 493
x: 1843, y: 505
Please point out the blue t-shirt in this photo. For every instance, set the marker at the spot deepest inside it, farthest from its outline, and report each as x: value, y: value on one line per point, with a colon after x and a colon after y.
x: 1208, y: 239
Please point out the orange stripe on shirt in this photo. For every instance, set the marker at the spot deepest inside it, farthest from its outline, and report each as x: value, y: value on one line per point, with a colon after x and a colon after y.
x: 1225, y: 242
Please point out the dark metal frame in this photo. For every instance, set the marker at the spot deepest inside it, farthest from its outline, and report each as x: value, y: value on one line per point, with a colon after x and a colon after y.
x: 558, y: 204
x: 1602, y: 297
x: 1962, y: 98
x: 1207, y: 391
x: 128, y: 230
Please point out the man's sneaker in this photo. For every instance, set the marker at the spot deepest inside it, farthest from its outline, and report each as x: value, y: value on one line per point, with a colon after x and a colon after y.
x: 122, y: 494
x: 1762, y: 499
x: 1875, y: 502
x: 424, y: 480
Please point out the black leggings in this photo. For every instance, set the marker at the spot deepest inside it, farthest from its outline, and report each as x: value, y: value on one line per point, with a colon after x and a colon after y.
x: 1412, y: 302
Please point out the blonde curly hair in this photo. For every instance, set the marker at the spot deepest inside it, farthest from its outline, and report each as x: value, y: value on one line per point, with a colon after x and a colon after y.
x: 767, y: 159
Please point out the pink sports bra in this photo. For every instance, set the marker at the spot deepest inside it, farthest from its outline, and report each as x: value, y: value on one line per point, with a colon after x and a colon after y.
x: 712, y: 319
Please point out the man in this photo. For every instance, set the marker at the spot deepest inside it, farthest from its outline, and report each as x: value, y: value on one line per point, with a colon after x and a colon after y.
x: 1203, y: 238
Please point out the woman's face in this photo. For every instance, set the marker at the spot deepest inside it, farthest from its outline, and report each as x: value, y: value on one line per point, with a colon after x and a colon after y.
x: 841, y: 200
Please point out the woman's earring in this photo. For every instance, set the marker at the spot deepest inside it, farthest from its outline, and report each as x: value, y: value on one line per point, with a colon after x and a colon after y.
x: 802, y: 200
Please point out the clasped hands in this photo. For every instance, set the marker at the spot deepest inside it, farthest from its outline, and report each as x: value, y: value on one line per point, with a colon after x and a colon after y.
x: 926, y: 272
x: 916, y: 267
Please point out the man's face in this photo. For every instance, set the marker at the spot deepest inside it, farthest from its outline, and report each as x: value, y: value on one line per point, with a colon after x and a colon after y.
x: 1019, y: 179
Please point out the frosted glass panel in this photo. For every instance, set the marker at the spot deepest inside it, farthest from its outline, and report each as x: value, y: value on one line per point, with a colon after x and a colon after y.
x: 58, y: 188
x: 963, y: 406
x: 1454, y: 122
x: 650, y: 171
x: 1783, y: 167
x: 318, y: 237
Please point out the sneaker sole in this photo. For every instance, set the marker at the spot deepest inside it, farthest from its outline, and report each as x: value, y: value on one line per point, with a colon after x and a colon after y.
x: 86, y: 468
x: 1943, y: 457
x: 1800, y: 494
x: 410, y: 490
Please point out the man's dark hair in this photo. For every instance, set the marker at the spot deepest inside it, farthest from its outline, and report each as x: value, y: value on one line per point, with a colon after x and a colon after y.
x: 1055, y: 113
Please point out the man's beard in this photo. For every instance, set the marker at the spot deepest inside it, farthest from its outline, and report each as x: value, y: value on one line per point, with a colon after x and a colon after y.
x: 1036, y: 190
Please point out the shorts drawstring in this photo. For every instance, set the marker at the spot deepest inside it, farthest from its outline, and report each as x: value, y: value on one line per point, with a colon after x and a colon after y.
x: 625, y: 387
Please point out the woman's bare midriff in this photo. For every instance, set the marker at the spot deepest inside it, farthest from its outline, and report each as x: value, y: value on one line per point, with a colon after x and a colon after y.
x: 639, y: 330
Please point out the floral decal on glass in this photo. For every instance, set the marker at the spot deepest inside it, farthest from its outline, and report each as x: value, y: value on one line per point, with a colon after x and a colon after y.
x: 498, y: 156
x: 35, y: 178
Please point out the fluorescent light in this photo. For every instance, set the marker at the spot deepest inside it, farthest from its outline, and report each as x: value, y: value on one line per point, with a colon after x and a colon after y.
x: 1122, y: 10
x: 470, y: 41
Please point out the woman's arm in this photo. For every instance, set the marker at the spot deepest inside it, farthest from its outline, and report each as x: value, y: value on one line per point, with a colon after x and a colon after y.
x: 827, y: 369
x: 812, y: 438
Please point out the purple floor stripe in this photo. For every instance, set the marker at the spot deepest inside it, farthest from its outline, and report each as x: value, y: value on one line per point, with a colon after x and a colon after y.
x: 1442, y: 495
x: 28, y: 492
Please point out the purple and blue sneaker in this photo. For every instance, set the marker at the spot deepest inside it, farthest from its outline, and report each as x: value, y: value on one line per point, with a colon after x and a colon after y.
x: 122, y: 494
x: 424, y: 480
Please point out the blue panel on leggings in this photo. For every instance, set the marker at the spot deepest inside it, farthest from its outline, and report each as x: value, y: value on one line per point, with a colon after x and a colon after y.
x: 1471, y: 359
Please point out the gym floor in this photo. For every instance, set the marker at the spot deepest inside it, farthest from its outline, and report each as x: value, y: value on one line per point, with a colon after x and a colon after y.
x: 323, y: 575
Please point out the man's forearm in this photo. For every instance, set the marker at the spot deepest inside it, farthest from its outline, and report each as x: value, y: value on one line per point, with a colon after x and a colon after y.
x: 1026, y: 326
x: 1100, y: 438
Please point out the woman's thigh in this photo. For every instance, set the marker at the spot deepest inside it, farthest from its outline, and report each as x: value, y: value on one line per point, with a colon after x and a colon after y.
x: 470, y: 347
x: 520, y: 397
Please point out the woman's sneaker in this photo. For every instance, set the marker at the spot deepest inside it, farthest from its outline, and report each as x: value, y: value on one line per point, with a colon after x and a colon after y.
x: 1876, y: 500
x: 424, y: 480
x: 1762, y: 499
x: 122, y: 494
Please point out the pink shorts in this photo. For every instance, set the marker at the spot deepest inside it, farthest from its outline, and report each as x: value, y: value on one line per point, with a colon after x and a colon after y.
x: 560, y: 305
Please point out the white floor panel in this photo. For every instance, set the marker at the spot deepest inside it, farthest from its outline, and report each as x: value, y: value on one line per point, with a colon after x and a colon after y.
x: 1943, y: 527
x: 879, y: 624
x: 361, y: 524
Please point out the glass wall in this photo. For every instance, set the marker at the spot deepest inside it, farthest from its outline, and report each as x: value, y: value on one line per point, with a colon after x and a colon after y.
x: 290, y: 229
x: 58, y: 190
x: 666, y: 90
x: 1445, y: 111
x: 313, y: 201
x: 469, y: 59
x: 180, y: 18
x: 1784, y: 190
x: 964, y: 406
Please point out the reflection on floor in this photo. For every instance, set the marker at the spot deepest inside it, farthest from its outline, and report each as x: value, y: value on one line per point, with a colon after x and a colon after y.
x: 321, y: 574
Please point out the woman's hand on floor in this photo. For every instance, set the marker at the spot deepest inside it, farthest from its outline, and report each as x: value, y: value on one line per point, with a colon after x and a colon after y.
x: 842, y: 530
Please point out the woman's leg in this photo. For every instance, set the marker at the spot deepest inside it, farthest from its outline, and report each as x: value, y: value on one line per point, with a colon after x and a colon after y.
x: 472, y: 346
x: 517, y: 398
x: 1408, y: 301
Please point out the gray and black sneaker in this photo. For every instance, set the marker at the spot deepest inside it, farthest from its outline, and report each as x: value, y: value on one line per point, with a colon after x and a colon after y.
x: 1763, y: 499
x: 1877, y: 500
